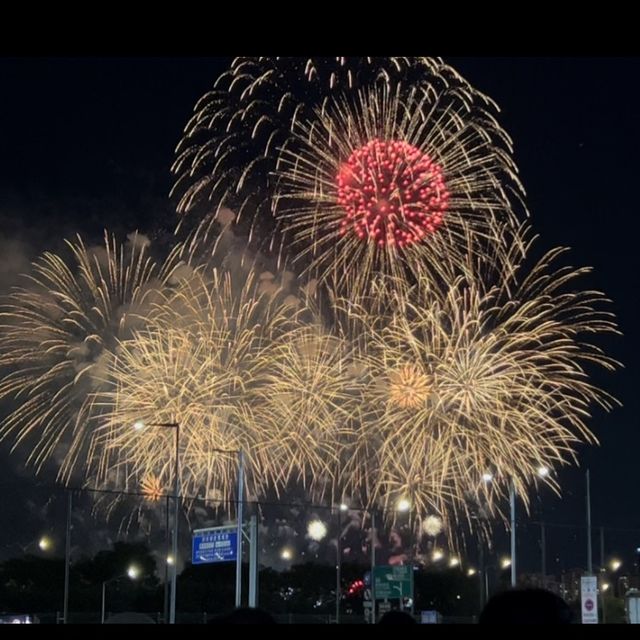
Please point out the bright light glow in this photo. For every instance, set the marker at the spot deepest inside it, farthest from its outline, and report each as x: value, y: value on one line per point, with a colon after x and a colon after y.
x: 170, y: 560
x: 487, y: 477
x: 286, y: 554
x: 139, y: 425
x: 505, y: 563
x: 471, y: 571
x: 454, y: 562
x: 403, y: 505
x: 432, y: 525
x: 45, y: 543
x: 344, y: 507
x: 615, y: 564
x: 605, y: 586
x: 543, y: 471
x: 133, y: 572
x: 317, y: 530
x: 437, y: 555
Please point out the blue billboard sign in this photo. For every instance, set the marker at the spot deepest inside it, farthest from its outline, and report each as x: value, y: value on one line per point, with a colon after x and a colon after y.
x: 214, y: 545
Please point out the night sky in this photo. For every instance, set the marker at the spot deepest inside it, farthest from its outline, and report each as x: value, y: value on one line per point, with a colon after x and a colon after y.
x: 87, y: 144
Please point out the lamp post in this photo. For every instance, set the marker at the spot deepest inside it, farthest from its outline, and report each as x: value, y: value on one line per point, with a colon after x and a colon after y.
x: 133, y: 573
x: 502, y: 565
x: 341, y: 508
x: 403, y: 506
x: 512, y: 503
x: 240, y: 514
x: 543, y: 472
x: 139, y: 425
x: 67, y: 559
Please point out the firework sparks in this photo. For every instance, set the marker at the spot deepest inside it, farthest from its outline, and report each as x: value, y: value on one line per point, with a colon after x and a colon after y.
x: 55, y: 334
x: 432, y: 525
x: 152, y: 488
x: 408, y: 387
x: 308, y: 406
x: 235, y: 368
x: 391, y: 194
x: 317, y: 530
x: 369, y: 167
x: 498, y: 372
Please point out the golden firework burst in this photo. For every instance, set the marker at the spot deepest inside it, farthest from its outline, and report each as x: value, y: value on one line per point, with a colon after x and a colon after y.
x: 56, y: 331
x: 507, y: 391
x: 369, y: 166
x: 229, y: 359
x: 152, y: 488
x: 409, y: 387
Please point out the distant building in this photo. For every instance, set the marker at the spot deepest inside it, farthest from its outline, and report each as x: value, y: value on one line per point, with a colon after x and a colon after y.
x: 540, y: 581
x: 570, y: 584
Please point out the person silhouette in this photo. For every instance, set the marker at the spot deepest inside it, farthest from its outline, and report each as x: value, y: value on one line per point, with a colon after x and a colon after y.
x: 397, y: 617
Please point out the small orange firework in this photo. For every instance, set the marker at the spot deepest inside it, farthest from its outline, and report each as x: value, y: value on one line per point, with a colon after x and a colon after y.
x: 409, y: 387
x: 152, y: 488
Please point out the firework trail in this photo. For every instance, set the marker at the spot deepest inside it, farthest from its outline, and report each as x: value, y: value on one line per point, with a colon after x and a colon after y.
x: 492, y: 376
x: 309, y: 409
x: 224, y: 356
x: 354, y: 168
x: 55, y: 333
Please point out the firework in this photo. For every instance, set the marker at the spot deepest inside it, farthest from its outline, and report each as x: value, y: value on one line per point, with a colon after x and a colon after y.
x: 489, y: 377
x: 308, y: 407
x: 228, y: 362
x: 55, y: 334
x: 317, y: 530
x: 152, y: 488
x: 358, y: 167
x: 432, y: 525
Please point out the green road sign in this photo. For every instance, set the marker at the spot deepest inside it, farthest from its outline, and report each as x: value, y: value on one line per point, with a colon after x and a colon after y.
x: 393, y: 582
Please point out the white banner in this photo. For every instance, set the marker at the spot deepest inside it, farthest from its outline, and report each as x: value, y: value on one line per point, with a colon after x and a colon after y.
x: 589, y: 597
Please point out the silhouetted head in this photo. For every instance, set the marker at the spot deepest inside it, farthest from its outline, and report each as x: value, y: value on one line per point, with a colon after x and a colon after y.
x: 244, y: 616
x: 526, y: 606
x: 397, y: 617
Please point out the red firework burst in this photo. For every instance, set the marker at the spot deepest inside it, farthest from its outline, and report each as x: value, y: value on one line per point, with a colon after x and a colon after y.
x: 392, y: 193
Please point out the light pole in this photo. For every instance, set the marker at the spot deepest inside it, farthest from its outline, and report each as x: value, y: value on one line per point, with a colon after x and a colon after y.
x: 166, y: 564
x: 588, y: 500
x: 139, y: 425
x: 512, y: 503
x: 240, y: 514
x: 543, y: 472
x: 67, y: 559
x: 341, y: 508
x: 132, y: 572
x: 503, y: 565
x: 403, y: 506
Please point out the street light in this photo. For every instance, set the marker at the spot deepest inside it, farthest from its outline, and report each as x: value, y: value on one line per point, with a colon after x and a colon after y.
x: 543, y: 471
x: 341, y: 508
x: 139, y: 425
x: 45, y: 543
x: 502, y: 565
x: 133, y: 573
x: 239, y: 514
x: 344, y: 508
